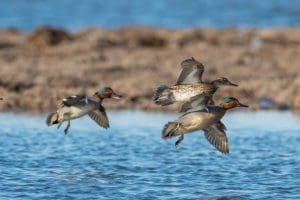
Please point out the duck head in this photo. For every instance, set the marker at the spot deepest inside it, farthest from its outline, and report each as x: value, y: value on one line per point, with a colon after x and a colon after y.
x: 223, y: 81
x: 231, y: 102
x: 106, y: 92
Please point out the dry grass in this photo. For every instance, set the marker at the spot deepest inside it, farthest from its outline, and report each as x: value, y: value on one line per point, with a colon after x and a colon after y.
x: 40, y: 68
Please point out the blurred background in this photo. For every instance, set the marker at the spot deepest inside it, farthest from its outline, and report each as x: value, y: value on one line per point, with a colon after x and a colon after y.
x: 50, y: 49
x: 27, y: 15
x: 54, y: 48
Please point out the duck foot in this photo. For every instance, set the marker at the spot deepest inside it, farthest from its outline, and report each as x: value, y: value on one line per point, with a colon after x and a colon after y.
x: 179, y: 141
x: 59, y: 125
x: 67, y: 128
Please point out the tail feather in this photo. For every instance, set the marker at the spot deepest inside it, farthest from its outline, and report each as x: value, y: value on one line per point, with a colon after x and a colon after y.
x: 171, y: 129
x: 52, y: 119
x: 163, y: 96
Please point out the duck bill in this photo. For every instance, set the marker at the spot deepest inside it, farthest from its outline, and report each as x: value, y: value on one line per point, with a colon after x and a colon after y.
x: 116, y: 96
x: 243, y: 105
x: 233, y: 84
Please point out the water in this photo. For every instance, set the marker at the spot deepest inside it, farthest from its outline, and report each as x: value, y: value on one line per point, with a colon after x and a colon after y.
x: 28, y: 14
x: 130, y: 161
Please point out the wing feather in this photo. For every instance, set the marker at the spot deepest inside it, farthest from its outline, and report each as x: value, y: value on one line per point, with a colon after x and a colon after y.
x: 76, y: 100
x: 197, y: 102
x: 100, y: 117
x: 216, y: 136
x: 191, y: 73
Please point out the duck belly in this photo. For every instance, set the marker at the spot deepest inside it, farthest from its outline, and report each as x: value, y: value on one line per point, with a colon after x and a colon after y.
x: 195, y: 121
x: 77, y: 112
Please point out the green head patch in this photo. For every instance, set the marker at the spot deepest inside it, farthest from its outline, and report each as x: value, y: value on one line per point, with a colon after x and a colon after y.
x: 226, y: 100
x: 102, y: 90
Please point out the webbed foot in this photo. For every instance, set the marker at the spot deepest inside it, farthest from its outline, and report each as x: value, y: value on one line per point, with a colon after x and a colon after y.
x: 67, y: 128
x: 59, y: 125
x: 179, y: 140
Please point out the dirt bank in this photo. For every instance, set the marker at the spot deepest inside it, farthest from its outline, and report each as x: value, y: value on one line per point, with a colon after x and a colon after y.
x: 38, y: 69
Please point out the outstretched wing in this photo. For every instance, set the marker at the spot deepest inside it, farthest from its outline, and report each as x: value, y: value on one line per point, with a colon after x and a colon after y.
x: 216, y: 136
x: 76, y: 100
x: 197, y: 102
x: 100, y: 117
x: 191, y: 73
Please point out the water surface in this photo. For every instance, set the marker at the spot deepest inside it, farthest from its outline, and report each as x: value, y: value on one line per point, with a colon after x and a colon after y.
x: 130, y: 161
x: 29, y: 14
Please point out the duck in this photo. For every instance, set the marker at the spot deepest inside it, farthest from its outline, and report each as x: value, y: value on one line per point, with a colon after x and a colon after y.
x: 206, y: 118
x: 189, y: 84
x: 76, y: 106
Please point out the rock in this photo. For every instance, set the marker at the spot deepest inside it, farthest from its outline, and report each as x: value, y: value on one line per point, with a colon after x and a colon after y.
x: 265, y: 103
x: 142, y: 37
x: 6, y: 45
x: 48, y: 36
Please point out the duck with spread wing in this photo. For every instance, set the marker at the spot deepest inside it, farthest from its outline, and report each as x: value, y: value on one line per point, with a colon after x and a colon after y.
x: 189, y: 84
x: 76, y: 106
x: 201, y: 116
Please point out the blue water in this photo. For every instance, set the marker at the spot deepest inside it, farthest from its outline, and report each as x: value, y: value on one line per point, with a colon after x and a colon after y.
x: 73, y: 15
x: 130, y: 161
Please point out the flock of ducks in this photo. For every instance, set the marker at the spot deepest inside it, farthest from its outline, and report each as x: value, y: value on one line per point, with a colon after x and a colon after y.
x: 199, y: 111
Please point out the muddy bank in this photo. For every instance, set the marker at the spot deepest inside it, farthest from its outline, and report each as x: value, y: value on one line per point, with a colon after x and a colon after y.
x: 38, y: 69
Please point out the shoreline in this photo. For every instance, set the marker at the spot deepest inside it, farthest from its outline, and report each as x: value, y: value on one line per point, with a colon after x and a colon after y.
x: 40, y: 68
x: 109, y: 111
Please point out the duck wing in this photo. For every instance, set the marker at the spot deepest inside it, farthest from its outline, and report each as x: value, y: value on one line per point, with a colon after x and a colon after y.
x: 76, y: 100
x: 216, y: 136
x: 191, y: 73
x: 197, y: 102
x: 100, y: 117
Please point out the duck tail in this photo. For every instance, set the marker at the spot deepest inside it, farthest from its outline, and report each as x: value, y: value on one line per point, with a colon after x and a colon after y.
x: 52, y: 119
x: 163, y: 96
x: 171, y: 129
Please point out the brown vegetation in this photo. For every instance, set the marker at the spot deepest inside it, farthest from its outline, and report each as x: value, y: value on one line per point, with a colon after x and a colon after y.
x: 38, y: 69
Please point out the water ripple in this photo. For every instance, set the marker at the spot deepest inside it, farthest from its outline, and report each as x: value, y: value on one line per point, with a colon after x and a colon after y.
x: 130, y: 161
x: 178, y: 14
